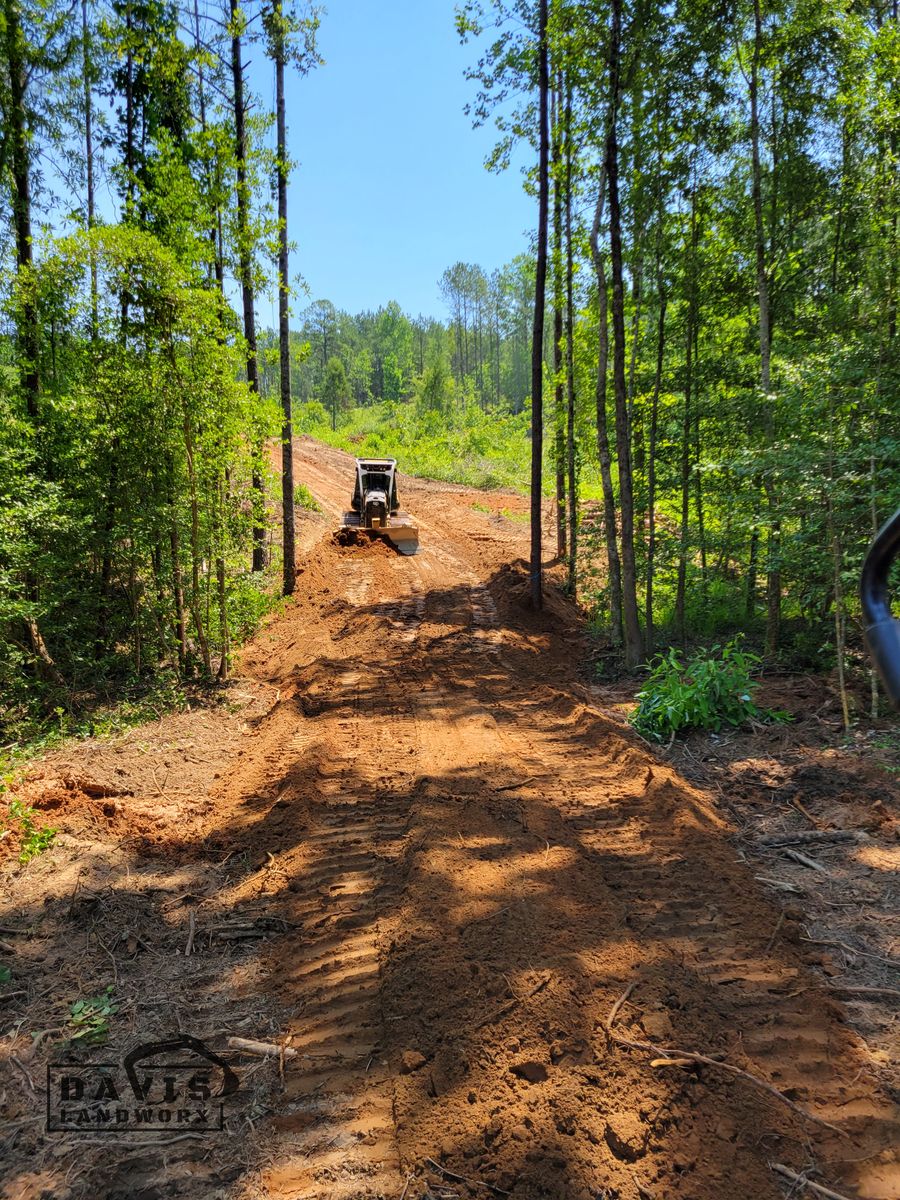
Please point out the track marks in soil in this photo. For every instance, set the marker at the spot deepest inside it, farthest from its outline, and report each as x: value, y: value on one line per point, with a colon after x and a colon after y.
x: 335, y: 1125
x: 549, y: 861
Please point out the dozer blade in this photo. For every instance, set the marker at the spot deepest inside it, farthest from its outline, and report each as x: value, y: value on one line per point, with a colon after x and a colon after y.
x: 404, y: 536
x: 398, y: 530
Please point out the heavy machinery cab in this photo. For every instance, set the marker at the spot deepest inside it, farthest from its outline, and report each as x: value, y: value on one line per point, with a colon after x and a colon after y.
x: 375, y: 492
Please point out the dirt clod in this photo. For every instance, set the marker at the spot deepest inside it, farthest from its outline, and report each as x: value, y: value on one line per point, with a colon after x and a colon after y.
x: 531, y: 1071
x: 626, y: 1136
x: 411, y: 1060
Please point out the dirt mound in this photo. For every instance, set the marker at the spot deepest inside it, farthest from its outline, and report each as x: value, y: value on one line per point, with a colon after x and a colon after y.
x: 365, y: 541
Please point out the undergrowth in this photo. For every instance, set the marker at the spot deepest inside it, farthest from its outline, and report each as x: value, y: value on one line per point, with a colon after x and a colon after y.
x: 303, y: 498
x: 465, y: 445
x: 33, y: 841
x: 90, y: 1018
x: 706, y: 691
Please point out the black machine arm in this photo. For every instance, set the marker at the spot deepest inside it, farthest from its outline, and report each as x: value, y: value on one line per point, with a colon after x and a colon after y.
x: 882, y: 628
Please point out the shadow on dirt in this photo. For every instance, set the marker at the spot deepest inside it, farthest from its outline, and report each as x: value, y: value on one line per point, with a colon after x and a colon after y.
x: 514, y: 886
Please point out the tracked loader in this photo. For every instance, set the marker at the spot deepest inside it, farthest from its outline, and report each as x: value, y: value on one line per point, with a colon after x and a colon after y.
x: 375, y: 507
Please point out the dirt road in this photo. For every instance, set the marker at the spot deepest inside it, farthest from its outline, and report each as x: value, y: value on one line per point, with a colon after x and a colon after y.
x: 478, y: 886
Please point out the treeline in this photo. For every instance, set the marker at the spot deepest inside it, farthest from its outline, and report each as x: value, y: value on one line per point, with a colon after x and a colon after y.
x: 481, y: 354
x: 133, y: 529
x: 719, y: 182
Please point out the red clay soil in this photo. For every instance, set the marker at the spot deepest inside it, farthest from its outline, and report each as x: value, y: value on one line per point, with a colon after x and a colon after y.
x: 437, y: 867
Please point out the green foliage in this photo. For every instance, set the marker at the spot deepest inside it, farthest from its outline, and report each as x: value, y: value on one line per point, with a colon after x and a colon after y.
x: 434, y: 389
x: 34, y: 841
x: 711, y: 689
x: 303, y: 498
x: 90, y: 1018
x: 248, y: 604
x: 115, y: 513
x: 335, y: 389
x: 467, y: 445
x: 5, y: 974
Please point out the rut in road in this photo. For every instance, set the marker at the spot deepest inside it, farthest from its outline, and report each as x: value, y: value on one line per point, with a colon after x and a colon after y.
x: 476, y: 863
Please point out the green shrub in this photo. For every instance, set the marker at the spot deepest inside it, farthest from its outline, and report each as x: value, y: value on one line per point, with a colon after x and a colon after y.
x: 248, y: 603
x: 709, y: 690
x: 303, y: 498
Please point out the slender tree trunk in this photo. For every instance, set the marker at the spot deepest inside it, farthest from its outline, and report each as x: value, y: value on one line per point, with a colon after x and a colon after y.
x: 178, y: 592
x: 681, y: 586
x: 87, y: 71
x: 637, y: 298
x: 687, y: 424
x: 245, y: 260
x: 559, y: 445
x: 196, y: 613
x: 284, y: 345
x: 698, y: 453
x: 837, y: 560
x: 221, y: 596
x: 633, y: 647
x: 129, y: 140
x: 874, y: 526
x: 773, y: 581
x: 540, y: 296
x: 603, y: 450
x: 570, y: 360
x: 20, y: 163
x: 651, y: 469
x: 752, y: 571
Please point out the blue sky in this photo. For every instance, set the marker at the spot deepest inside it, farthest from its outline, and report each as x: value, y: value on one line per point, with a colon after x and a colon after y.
x: 391, y: 186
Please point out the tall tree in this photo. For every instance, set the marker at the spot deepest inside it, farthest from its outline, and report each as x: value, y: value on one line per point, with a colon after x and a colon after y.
x: 245, y: 256
x: 623, y: 429
x: 540, y: 298
x: 570, y: 355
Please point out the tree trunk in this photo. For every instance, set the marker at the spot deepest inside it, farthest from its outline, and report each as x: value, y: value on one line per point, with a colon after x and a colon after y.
x: 245, y: 260
x: 537, y: 336
x: 603, y: 450
x: 20, y: 163
x: 687, y: 425
x: 559, y: 446
x: 681, y: 586
x: 284, y: 347
x: 752, y: 571
x: 570, y: 360
x: 698, y: 451
x: 87, y: 71
x: 651, y: 471
x: 195, y: 549
x: 633, y: 647
x: 178, y: 594
x: 773, y: 579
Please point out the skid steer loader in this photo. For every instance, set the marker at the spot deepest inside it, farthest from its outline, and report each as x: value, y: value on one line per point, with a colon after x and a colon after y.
x: 375, y: 507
